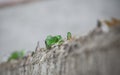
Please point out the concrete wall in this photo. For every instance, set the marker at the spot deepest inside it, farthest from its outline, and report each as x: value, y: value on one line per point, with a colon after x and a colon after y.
x: 99, y: 55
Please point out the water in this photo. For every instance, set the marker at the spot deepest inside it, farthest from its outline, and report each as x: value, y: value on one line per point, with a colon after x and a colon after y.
x: 22, y: 26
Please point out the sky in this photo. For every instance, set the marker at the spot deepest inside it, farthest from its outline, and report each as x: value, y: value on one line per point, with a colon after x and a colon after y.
x: 21, y: 26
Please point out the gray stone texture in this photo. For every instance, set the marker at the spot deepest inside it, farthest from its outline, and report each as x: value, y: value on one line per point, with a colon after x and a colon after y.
x: 97, y: 55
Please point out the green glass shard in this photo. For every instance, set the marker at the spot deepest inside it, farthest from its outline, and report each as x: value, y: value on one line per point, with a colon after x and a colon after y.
x: 49, y: 37
x: 17, y: 55
x: 22, y: 53
x: 69, y: 36
x: 59, y: 37
x: 51, y: 40
x: 60, y: 42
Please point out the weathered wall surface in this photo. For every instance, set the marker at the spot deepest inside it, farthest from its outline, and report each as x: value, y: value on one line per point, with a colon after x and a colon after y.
x: 98, y: 55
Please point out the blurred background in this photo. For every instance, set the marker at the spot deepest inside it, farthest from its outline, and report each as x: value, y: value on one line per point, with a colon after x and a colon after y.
x: 24, y: 22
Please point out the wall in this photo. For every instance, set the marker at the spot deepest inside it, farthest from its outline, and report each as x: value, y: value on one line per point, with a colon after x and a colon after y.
x: 95, y: 56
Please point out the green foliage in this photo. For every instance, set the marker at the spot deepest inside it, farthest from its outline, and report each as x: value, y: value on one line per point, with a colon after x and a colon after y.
x: 17, y: 55
x: 69, y: 36
x: 51, y: 40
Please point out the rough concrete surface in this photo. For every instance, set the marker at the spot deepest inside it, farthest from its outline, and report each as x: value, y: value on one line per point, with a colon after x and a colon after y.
x: 96, y: 55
